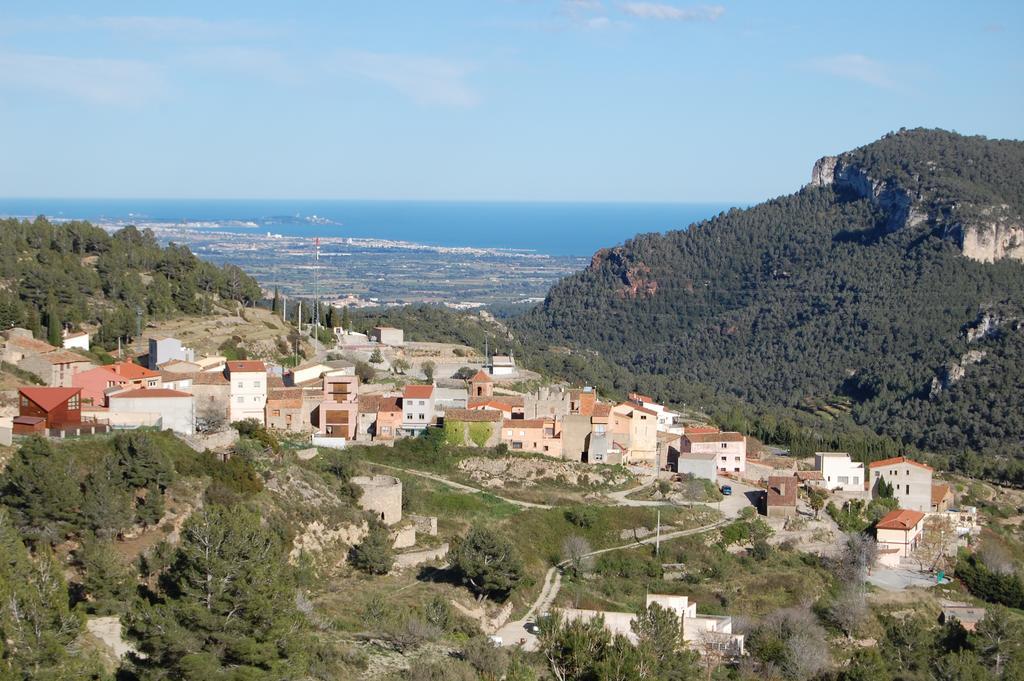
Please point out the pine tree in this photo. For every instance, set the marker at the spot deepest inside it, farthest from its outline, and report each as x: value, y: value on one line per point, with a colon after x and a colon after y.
x: 374, y: 555
x: 225, y: 607
x: 40, y: 485
x: 108, y: 582
x: 52, y: 321
x: 106, y: 504
x: 346, y: 319
x: 275, y: 306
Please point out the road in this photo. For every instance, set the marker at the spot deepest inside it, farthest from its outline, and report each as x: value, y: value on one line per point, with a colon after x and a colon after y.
x: 515, y: 633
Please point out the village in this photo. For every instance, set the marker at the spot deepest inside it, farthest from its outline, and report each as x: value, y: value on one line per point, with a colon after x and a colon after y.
x: 489, y: 403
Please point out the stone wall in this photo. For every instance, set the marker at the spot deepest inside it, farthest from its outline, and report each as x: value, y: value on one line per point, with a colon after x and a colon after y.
x: 382, y: 494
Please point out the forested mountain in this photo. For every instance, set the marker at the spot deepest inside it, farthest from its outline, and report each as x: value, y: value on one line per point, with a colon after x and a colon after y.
x: 893, y: 285
x: 73, y: 273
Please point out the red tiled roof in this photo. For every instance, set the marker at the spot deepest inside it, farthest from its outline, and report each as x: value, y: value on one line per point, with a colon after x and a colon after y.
x: 247, y: 366
x: 49, y: 399
x: 504, y: 402
x: 418, y: 392
x: 389, y: 404
x: 700, y: 430
x: 713, y: 437
x: 940, y: 492
x: 369, y: 404
x: 781, y: 490
x: 132, y: 371
x: 809, y: 475
x: 900, y: 519
x: 897, y: 460
x: 150, y: 393
x: 481, y: 377
x: 63, y: 357
x: 602, y: 409
x: 31, y: 344
x: 473, y: 415
x: 524, y: 423
x: 208, y: 378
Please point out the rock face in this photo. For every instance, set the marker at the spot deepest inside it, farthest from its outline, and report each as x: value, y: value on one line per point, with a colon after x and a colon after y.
x: 992, y: 233
x: 950, y: 374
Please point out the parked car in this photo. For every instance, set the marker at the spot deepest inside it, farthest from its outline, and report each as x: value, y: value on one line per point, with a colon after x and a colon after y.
x: 726, y: 490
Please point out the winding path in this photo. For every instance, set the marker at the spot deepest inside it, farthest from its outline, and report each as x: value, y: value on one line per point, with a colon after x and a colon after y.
x: 460, y: 486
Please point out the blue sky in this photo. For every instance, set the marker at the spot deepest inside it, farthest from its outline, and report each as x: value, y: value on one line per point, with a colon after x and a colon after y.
x: 484, y: 99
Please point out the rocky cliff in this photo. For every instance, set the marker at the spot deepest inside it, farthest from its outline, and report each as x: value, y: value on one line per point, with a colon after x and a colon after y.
x: 985, y: 231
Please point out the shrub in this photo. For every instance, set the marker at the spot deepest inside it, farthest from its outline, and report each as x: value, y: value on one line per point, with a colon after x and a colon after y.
x: 374, y: 555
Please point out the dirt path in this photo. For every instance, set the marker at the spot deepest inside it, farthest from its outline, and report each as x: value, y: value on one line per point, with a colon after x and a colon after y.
x: 461, y: 487
x: 515, y: 633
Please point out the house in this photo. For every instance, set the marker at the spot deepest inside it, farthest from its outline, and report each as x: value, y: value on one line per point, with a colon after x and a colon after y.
x: 389, y: 419
x: 449, y: 398
x: 387, y: 335
x: 247, y: 390
x: 576, y: 435
x: 942, y: 498
x: 43, y: 408
x: 582, y: 401
x: 163, y: 349
x: 780, y: 497
x: 211, y: 363
x: 417, y: 408
x: 911, y: 481
x: 57, y: 368
x: 19, y: 344
x: 501, y: 365
x: 286, y: 410
x: 366, y: 416
x: 339, y: 410
x: 173, y: 381
x: 532, y: 435
x: 603, y: 449
x: 212, y: 393
x: 898, y: 533
x: 180, y: 366
x: 666, y: 417
x: 481, y: 385
x: 76, y: 340
x: 668, y: 449
x: 695, y: 629
x: 160, y: 407
x: 512, y: 406
x: 637, y: 428
x: 97, y: 381
x: 839, y: 472
x: 307, y: 373
x: 967, y: 615
x: 473, y: 427
x: 701, y: 465
x: 730, y: 448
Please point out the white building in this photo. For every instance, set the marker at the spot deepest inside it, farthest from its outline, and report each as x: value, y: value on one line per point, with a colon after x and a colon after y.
x: 697, y: 630
x: 911, y: 481
x: 247, y: 393
x: 75, y: 341
x: 417, y: 408
x: 729, y: 448
x: 501, y: 365
x: 159, y: 407
x: 839, y: 472
x: 388, y: 335
x: 162, y: 349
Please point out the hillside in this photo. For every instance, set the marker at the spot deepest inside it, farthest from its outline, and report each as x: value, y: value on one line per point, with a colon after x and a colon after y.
x: 75, y: 274
x: 892, y: 285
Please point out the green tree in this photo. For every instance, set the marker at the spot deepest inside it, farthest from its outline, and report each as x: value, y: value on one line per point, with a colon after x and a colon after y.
x: 37, y: 627
x: 107, y: 581
x: 400, y: 365
x: 999, y: 638
x: 867, y: 664
x: 41, y: 486
x: 346, y: 319
x: 572, y: 649
x: 225, y: 608
x: 487, y: 562
x: 150, y: 508
x: 374, y: 555
x: 106, y: 504
x: 376, y: 357
x: 428, y: 368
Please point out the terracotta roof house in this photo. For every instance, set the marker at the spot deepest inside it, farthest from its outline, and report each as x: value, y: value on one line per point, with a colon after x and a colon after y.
x: 942, y: 498
x: 911, y: 481
x: 57, y: 368
x: 56, y: 407
x: 389, y: 418
x: 731, y: 449
x: 286, y: 410
x: 481, y: 385
x: 533, y: 435
x: 780, y: 498
x: 700, y: 430
x: 898, y: 534
x: 95, y: 382
x: 247, y: 390
x: 417, y: 408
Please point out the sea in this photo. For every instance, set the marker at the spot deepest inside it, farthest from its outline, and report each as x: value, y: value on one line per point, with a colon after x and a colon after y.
x: 557, y: 229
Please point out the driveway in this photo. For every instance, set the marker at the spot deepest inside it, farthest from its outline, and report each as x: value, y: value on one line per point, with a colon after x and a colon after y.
x: 898, y: 579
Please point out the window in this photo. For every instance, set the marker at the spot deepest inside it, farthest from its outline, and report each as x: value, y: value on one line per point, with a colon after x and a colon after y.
x: 276, y: 412
x: 843, y: 479
x: 725, y: 445
x: 517, y: 445
x: 255, y: 384
x: 423, y: 417
x: 737, y: 469
x: 241, y: 384
x: 545, y: 448
x: 408, y: 417
x: 73, y: 402
x: 908, y: 489
x: 736, y: 458
x: 240, y: 399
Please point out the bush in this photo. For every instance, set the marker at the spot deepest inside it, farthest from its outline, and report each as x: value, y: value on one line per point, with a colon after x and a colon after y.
x: 584, y: 517
x: 374, y: 555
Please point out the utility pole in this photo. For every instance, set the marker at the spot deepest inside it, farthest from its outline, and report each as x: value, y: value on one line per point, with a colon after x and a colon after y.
x: 300, y: 315
x: 657, y: 536
x: 316, y: 290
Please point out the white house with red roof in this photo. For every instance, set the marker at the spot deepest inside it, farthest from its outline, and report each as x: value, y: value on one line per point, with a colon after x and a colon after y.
x: 247, y: 390
x: 898, y: 533
x: 417, y: 408
x: 153, y: 407
x: 911, y: 481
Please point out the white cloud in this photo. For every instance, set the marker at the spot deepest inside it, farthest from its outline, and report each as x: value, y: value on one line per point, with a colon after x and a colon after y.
x: 582, y: 5
x: 598, y: 23
x: 855, y: 67
x: 173, y: 27
x: 250, y: 61
x: 426, y: 80
x: 652, y: 10
x: 96, y: 80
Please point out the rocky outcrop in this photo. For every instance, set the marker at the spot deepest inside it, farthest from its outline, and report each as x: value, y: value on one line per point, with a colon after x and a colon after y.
x: 991, y: 233
x: 950, y: 374
x: 634, y: 275
x: 994, y: 235
x: 900, y: 207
